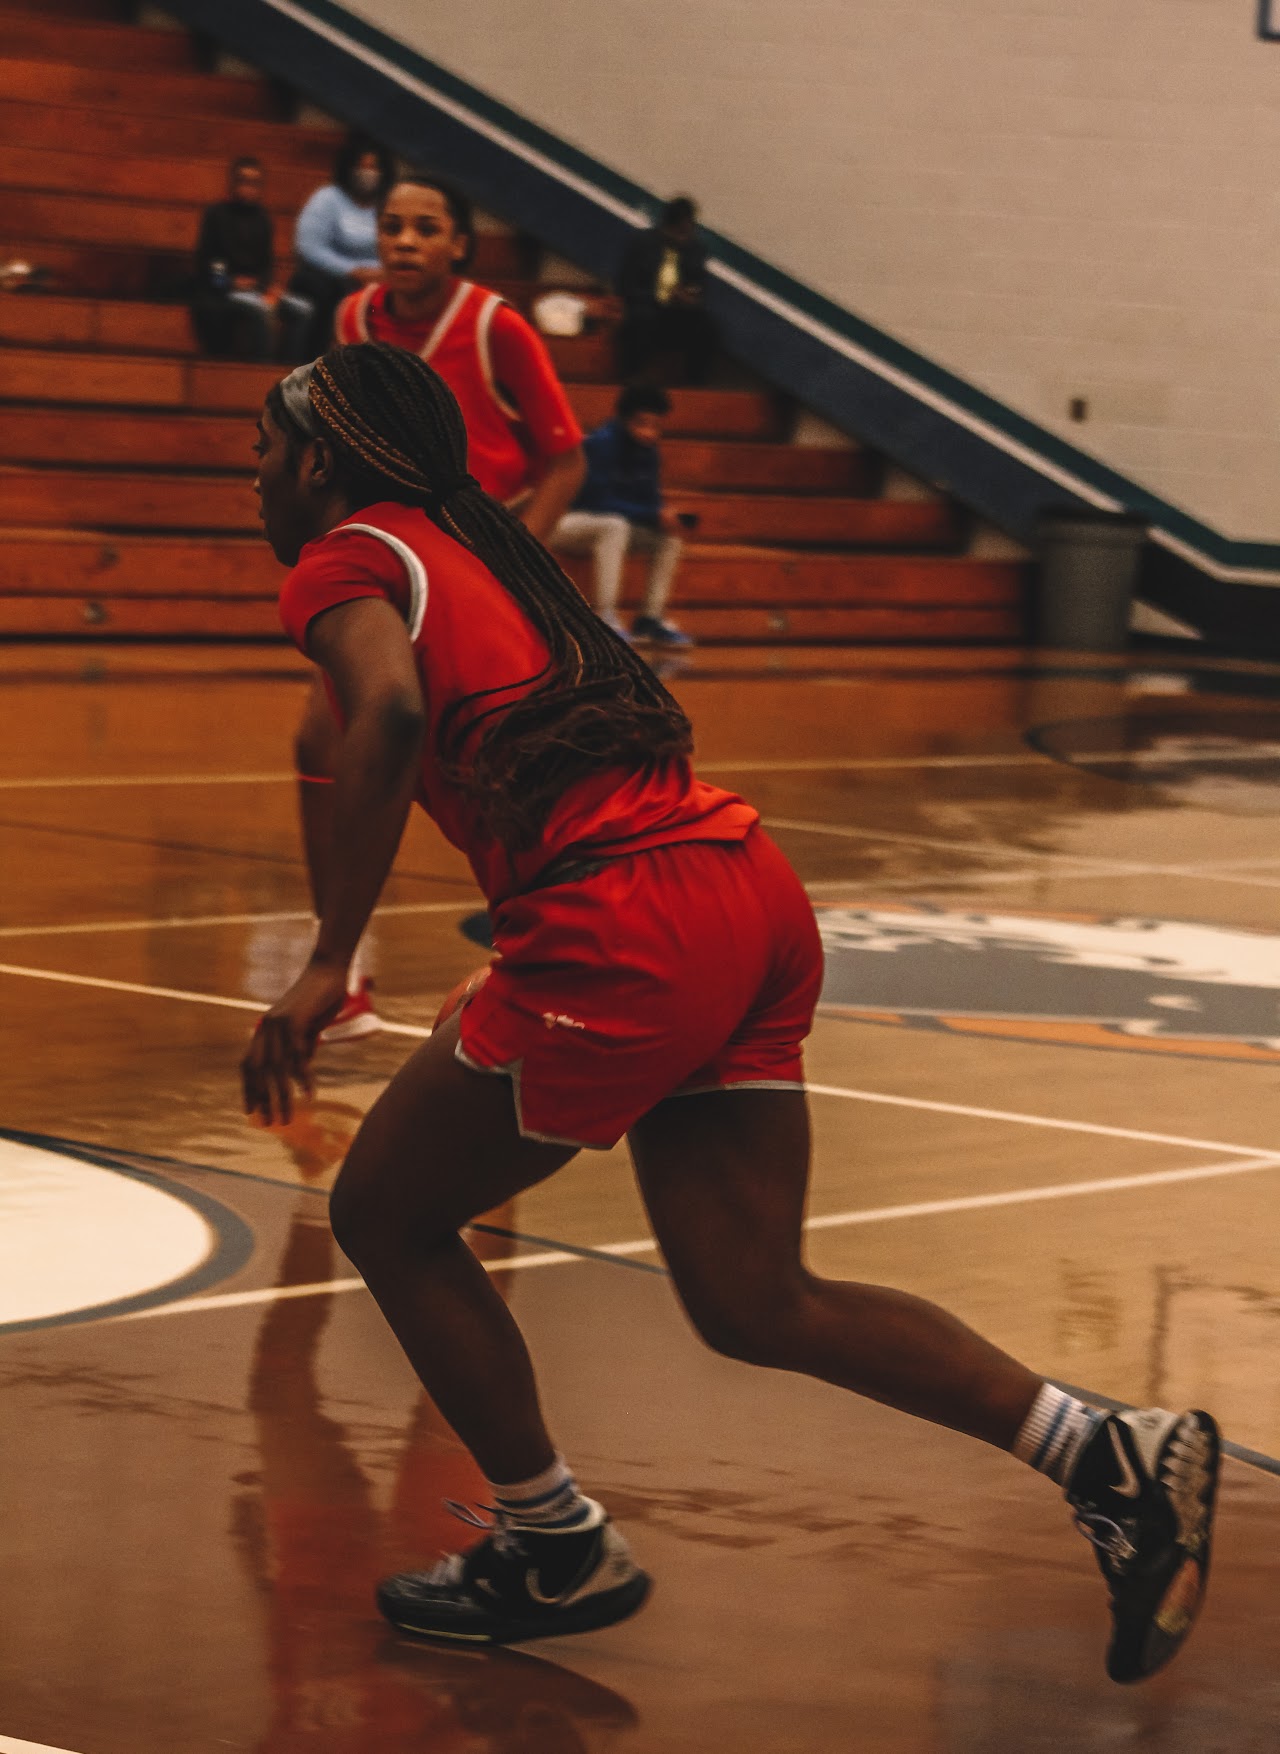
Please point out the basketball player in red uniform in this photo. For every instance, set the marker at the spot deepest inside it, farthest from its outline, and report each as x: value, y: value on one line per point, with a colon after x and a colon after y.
x: 657, y: 973
x: 524, y: 444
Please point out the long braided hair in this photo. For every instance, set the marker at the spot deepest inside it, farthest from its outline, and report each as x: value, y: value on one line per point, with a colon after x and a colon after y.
x: 397, y: 434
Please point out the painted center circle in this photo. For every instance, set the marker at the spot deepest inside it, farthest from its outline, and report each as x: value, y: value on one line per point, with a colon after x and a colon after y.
x: 75, y: 1236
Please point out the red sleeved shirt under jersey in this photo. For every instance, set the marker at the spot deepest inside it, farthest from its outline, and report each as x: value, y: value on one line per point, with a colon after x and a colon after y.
x: 469, y: 634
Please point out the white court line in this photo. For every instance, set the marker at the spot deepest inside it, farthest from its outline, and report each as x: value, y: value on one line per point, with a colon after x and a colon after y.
x: 829, y: 1221
x: 1020, y: 758
x: 110, y: 986
x: 1052, y: 1191
x: 748, y: 764
x: 11, y: 1745
x: 96, y: 781
x: 1016, y: 1118
x: 871, y: 763
x: 177, y: 921
x: 321, y: 1288
x: 985, y: 848
x: 410, y: 1029
x: 927, y: 883
x: 1066, y: 865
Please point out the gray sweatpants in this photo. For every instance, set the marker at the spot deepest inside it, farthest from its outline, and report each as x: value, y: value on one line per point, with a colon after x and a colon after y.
x: 606, y: 536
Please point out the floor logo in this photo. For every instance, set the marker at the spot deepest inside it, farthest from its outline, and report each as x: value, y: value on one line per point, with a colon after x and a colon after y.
x: 1155, y: 986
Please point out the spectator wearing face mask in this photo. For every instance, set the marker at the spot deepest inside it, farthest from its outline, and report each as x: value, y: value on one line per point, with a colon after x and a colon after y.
x: 335, y: 242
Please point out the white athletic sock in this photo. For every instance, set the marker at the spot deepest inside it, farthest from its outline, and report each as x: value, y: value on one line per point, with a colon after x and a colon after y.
x: 549, y: 1500
x: 1056, y: 1430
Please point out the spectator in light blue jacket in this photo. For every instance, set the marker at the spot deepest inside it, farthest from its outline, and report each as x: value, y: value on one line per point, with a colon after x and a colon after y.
x: 335, y: 241
x: 620, y: 506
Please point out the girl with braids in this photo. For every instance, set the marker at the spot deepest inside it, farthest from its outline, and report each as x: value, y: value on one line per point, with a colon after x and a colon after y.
x: 658, y: 968
x: 523, y: 442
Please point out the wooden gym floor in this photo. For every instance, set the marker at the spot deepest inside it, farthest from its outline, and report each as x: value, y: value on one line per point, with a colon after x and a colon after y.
x: 1045, y: 1094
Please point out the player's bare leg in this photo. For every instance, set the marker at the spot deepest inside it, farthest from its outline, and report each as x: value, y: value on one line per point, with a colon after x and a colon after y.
x: 440, y: 1146
x: 724, y: 1176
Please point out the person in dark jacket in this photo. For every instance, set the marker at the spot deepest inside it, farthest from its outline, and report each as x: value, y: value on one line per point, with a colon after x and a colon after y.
x: 661, y: 282
x: 231, y: 306
x: 620, y: 506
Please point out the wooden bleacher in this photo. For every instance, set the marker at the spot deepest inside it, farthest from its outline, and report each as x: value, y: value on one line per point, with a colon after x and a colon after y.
x: 125, y: 469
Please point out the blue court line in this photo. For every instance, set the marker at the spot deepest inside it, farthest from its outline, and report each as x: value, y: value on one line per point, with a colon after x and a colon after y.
x: 572, y: 1248
x: 98, y: 1154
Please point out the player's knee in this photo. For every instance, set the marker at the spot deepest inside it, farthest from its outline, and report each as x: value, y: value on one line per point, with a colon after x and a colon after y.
x: 370, y: 1223
x: 753, y: 1324
x: 352, y: 1217
x: 311, y: 748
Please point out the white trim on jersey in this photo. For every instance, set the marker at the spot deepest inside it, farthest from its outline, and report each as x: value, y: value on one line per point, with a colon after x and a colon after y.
x: 445, y: 323
x: 361, y: 312
x: 412, y: 565
x: 484, y: 322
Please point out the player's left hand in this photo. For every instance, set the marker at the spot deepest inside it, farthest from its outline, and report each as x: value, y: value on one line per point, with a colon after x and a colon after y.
x: 280, y: 1053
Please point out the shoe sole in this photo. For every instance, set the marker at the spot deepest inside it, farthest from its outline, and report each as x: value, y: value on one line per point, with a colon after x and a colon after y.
x: 1169, y: 1625
x: 368, y: 1023
x: 606, y: 1609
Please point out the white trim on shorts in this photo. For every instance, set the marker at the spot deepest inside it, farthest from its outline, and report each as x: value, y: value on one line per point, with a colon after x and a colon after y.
x: 514, y: 1070
x: 737, y: 1084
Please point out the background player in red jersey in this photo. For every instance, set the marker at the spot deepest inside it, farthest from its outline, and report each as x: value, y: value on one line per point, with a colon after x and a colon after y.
x: 659, y: 965
x: 524, y: 444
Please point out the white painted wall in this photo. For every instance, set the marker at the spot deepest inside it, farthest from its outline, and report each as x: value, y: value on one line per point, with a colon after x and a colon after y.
x: 1054, y: 198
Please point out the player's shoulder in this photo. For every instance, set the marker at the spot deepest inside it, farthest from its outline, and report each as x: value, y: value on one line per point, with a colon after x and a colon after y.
x: 506, y: 325
x: 367, y: 541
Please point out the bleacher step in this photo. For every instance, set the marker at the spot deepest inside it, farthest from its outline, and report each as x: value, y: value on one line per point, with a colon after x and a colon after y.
x: 110, y: 438
x: 100, y: 564
x: 36, y: 376
x: 93, y: 42
x: 79, y: 125
x: 187, y: 95
x: 114, y: 500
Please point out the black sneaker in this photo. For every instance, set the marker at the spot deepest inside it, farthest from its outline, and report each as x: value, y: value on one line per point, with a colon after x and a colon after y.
x: 520, y: 1583
x: 1143, y: 1490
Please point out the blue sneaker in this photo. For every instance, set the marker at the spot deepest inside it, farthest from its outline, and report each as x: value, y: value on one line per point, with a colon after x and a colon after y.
x: 649, y: 630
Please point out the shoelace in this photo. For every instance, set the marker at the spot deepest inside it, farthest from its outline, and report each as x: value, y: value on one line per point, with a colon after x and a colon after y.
x: 496, y: 1524
x: 1107, y: 1536
x: 1184, y: 1475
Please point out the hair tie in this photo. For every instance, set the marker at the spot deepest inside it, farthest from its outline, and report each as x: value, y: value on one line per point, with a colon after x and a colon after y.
x: 459, y: 484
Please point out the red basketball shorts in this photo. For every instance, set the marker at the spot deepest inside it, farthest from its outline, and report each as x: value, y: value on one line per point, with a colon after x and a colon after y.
x: 688, y: 968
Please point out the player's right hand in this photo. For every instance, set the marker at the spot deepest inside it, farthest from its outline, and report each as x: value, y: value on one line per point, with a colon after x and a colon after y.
x: 280, y: 1053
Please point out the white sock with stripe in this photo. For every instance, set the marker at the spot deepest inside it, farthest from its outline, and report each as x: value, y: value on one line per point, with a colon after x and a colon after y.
x: 549, y: 1500
x: 1056, y: 1430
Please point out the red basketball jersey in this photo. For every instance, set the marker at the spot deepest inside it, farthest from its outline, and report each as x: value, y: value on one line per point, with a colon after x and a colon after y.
x: 469, y: 634
x: 513, y: 426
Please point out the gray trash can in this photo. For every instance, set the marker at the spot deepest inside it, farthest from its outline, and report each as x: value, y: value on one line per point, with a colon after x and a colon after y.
x: 1088, y: 568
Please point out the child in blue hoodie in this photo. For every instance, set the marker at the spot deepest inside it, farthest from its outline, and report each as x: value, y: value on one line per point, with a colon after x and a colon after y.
x: 619, y: 506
